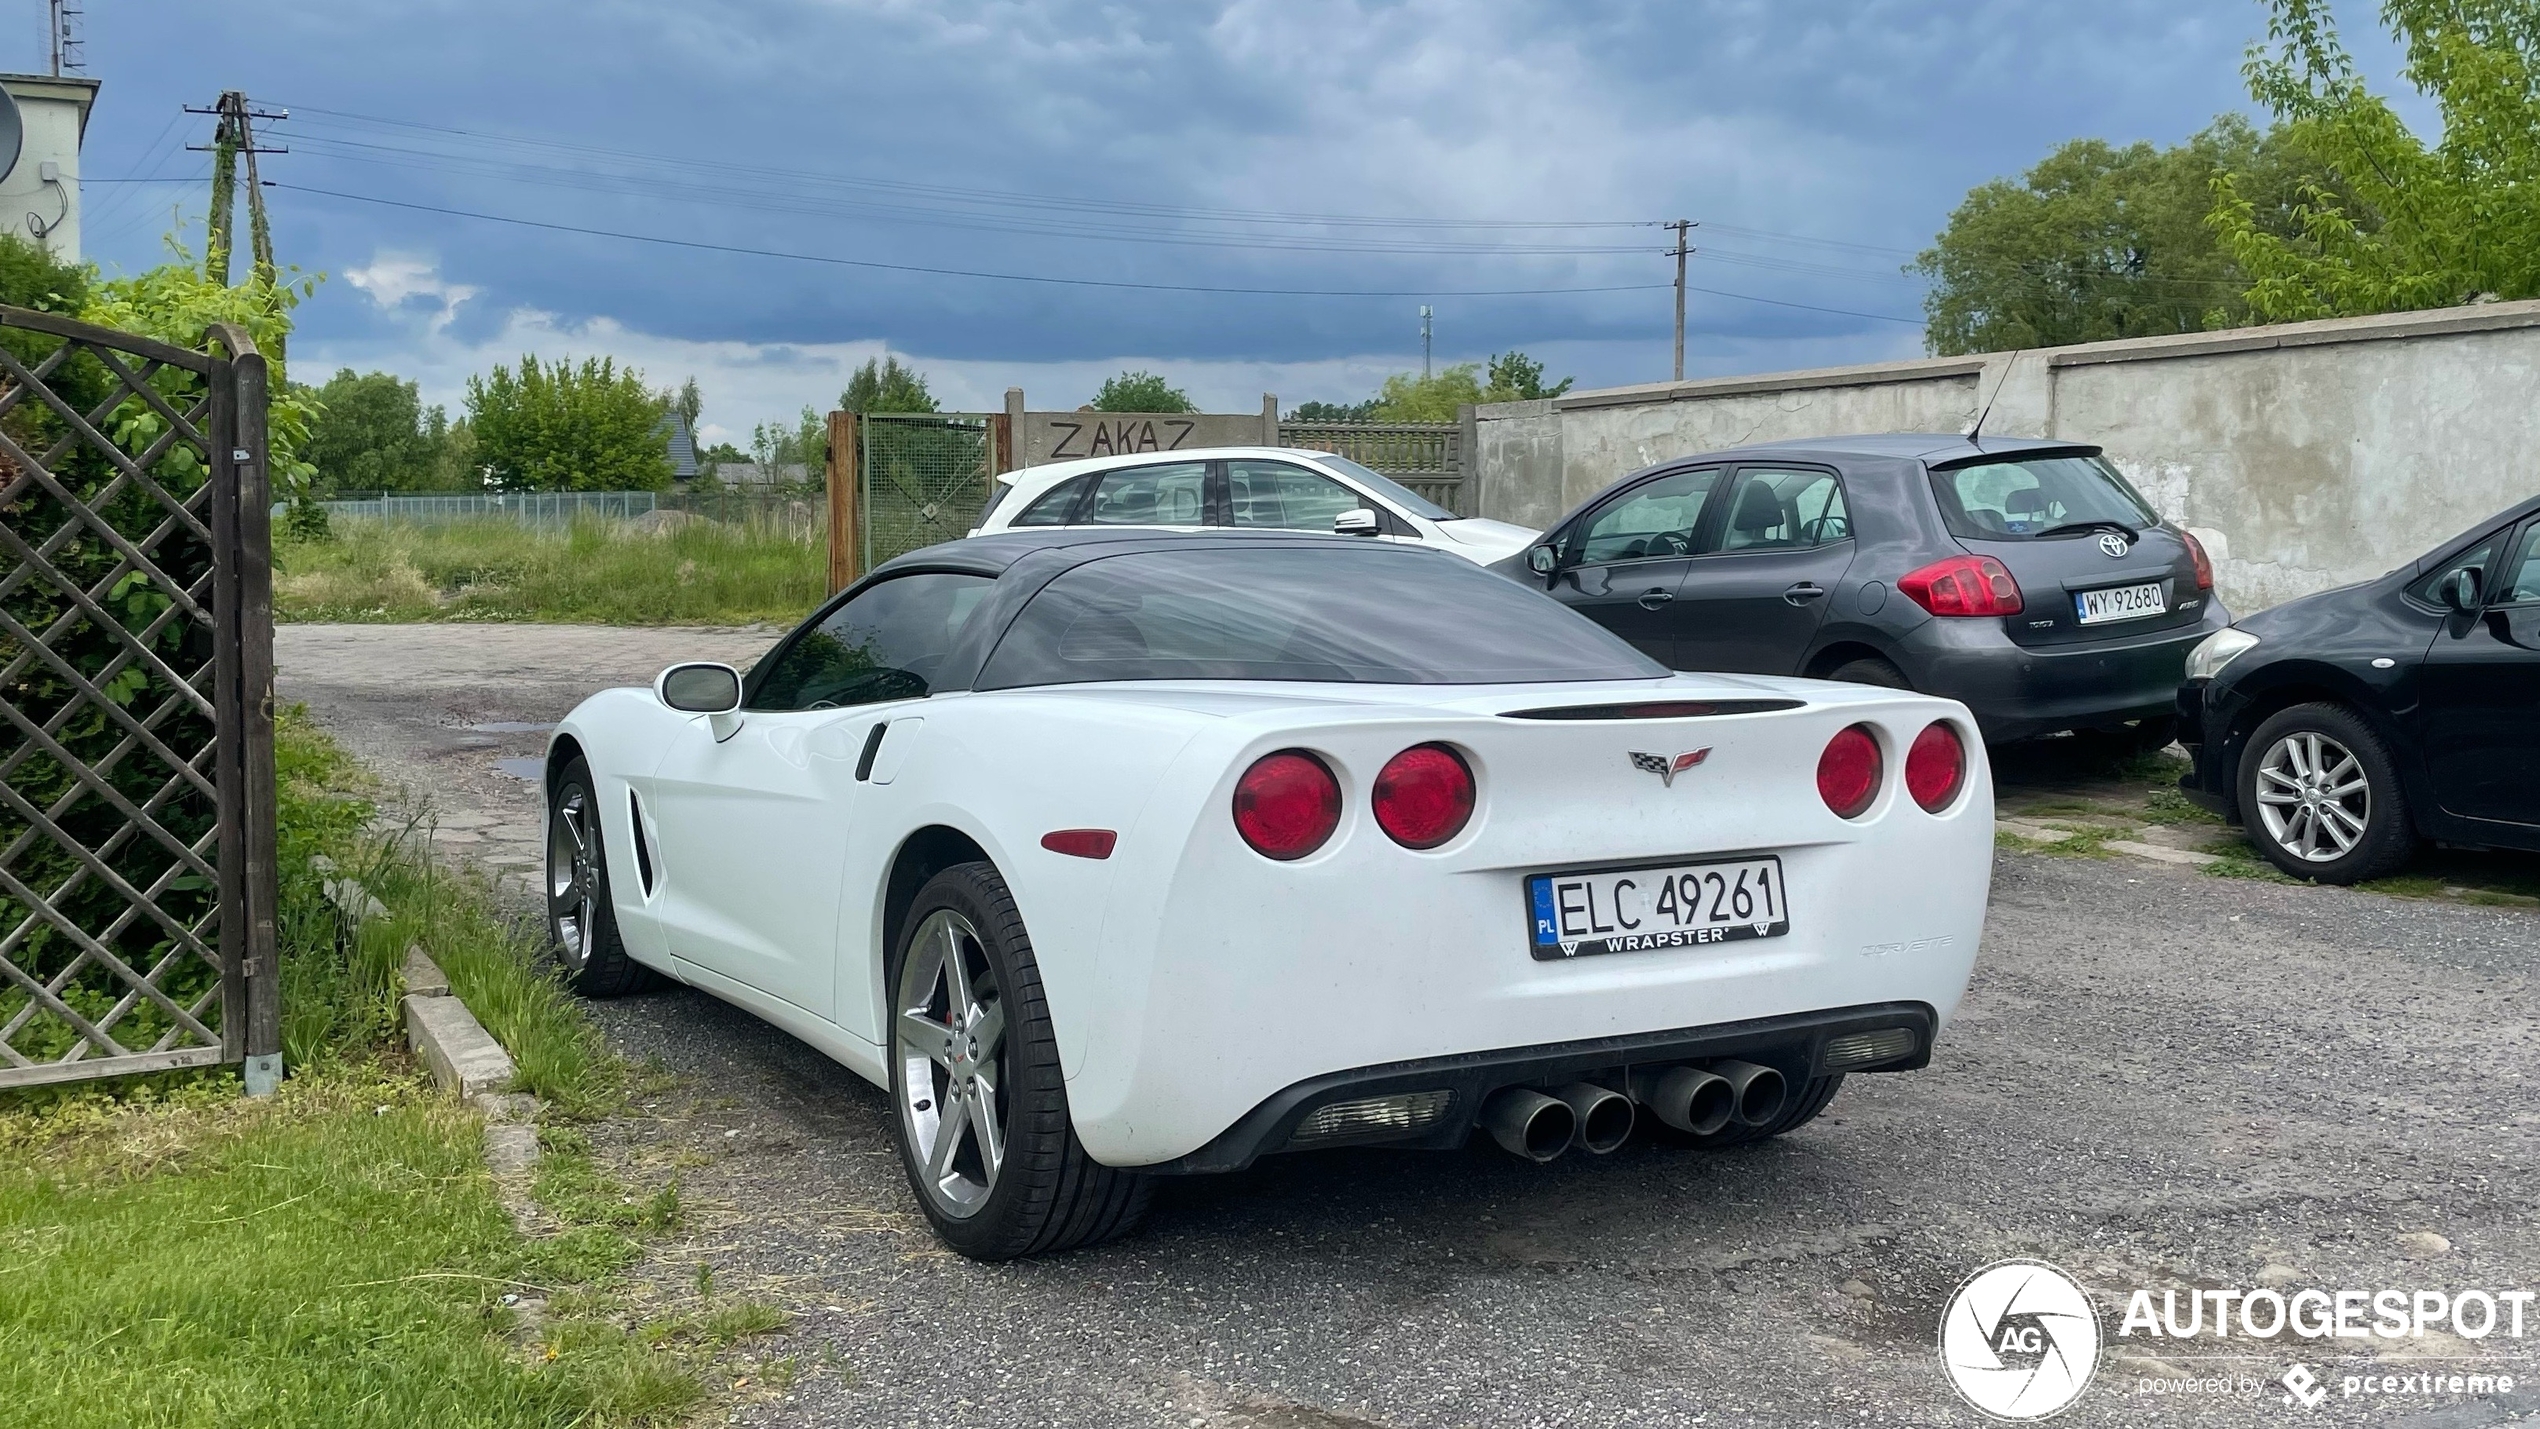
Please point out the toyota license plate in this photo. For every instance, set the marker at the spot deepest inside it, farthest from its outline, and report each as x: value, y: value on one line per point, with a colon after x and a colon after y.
x: 2125, y: 602
x: 1632, y: 910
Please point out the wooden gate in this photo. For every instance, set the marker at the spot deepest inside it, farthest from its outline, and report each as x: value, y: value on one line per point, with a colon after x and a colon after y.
x: 136, y: 685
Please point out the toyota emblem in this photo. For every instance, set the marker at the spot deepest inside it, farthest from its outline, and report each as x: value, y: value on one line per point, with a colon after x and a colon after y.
x: 2115, y: 545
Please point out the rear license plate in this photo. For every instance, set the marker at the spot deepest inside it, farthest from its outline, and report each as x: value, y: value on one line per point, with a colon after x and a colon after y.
x: 2125, y: 602
x: 1632, y: 910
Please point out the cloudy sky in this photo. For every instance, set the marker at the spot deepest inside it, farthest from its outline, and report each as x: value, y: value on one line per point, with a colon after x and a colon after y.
x: 762, y: 193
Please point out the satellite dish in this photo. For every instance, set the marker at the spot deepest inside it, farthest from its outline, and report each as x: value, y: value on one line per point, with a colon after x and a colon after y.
x: 12, y: 134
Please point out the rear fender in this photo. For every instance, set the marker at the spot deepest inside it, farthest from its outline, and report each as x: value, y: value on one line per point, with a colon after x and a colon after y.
x: 1002, y: 770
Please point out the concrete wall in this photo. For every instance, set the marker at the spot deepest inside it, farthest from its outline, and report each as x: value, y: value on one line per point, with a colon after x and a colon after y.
x: 2305, y: 455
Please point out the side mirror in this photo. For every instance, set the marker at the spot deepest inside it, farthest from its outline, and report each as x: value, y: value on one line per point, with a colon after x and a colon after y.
x: 1361, y: 522
x: 2460, y: 590
x: 1542, y: 561
x: 700, y: 689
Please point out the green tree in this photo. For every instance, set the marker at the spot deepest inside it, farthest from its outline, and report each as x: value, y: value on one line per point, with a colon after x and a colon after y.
x: 2101, y: 242
x: 1406, y: 397
x: 1141, y: 392
x: 559, y: 427
x: 1515, y: 377
x: 775, y: 446
x: 1333, y: 411
x: 884, y: 384
x: 373, y: 434
x: 2407, y: 225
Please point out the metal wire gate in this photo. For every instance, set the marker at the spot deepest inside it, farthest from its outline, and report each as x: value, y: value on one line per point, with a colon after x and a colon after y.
x: 137, y: 882
x: 921, y: 477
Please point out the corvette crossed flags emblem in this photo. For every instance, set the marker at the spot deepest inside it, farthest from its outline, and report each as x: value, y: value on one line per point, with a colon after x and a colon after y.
x: 1667, y: 769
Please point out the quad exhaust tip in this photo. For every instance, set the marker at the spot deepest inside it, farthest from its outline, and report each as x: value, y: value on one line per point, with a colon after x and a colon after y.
x: 1697, y: 1100
x: 1604, y: 1116
x: 1760, y: 1091
x: 1687, y: 1098
x: 1529, y: 1124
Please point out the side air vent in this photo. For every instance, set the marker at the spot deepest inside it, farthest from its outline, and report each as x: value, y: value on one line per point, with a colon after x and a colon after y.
x: 643, y: 845
x: 1657, y: 709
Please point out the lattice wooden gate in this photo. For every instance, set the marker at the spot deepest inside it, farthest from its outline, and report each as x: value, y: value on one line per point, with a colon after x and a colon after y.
x: 136, y: 683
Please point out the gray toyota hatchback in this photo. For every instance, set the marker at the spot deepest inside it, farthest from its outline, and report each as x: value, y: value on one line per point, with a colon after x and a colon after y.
x: 2025, y: 578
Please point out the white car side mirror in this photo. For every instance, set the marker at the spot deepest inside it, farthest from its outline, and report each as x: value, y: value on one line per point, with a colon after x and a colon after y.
x: 1361, y: 522
x: 699, y: 688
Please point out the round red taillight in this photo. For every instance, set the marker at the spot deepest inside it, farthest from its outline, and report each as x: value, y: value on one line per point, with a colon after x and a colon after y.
x: 1424, y: 796
x: 1287, y: 804
x: 1848, y: 772
x: 1936, y: 767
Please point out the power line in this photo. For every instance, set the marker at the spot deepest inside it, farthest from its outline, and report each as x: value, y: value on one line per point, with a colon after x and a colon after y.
x: 794, y: 200
x: 743, y: 250
x: 960, y: 194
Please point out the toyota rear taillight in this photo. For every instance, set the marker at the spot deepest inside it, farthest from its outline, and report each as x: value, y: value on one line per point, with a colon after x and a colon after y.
x: 1936, y: 766
x: 1848, y: 772
x: 1424, y: 796
x: 1963, y: 585
x: 1287, y: 804
x: 2204, y: 563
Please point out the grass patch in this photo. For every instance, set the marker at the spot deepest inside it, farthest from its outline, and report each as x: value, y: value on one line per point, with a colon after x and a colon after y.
x: 2169, y: 806
x: 596, y: 572
x: 340, y: 985
x: 335, y: 1256
x: 338, y: 1255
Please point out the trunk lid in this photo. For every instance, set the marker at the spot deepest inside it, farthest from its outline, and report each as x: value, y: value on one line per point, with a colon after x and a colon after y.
x: 2093, y: 560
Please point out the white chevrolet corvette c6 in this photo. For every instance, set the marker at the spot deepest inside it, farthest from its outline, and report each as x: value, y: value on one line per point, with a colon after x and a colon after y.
x: 1112, y: 855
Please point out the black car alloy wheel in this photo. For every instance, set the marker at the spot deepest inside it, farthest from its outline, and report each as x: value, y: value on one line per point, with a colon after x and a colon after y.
x: 2320, y: 796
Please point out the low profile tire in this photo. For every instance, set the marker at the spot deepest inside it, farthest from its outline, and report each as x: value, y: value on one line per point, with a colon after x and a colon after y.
x: 2320, y: 796
x: 979, y: 1104
x: 1798, y: 1111
x: 581, y: 922
x: 1870, y: 670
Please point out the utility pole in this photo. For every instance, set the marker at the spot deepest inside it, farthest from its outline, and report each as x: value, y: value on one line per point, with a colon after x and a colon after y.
x: 1681, y: 226
x: 234, y: 138
x: 1426, y: 312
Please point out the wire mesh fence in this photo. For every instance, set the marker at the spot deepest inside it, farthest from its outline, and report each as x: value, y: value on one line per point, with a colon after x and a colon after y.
x: 1428, y: 457
x: 799, y: 515
x: 924, y: 479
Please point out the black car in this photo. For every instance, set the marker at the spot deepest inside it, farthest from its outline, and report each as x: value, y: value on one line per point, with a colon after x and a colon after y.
x: 2355, y: 722
x: 2024, y: 578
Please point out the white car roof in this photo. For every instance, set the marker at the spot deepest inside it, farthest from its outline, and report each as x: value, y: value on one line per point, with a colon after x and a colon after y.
x: 1033, y: 480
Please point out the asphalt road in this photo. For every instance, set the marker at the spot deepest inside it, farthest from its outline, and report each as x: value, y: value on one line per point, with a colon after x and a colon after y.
x: 2159, y: 1080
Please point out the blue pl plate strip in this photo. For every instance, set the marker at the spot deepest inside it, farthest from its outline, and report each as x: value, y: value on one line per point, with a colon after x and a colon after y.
x: 1539, y: 893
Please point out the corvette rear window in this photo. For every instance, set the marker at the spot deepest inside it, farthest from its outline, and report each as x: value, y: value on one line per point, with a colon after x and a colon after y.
x: 1363, y: 616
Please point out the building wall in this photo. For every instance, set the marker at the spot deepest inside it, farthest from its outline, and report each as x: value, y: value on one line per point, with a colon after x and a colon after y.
x: 55, y: 115
x: 2306, y: 455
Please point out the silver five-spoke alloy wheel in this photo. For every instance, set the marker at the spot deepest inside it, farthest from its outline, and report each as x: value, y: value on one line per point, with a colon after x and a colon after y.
x: 949, y: 1035
x: 573, y: 876
x: 2313, y: 796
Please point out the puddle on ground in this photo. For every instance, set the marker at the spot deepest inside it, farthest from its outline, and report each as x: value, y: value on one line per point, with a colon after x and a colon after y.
x: 532, y: 770
x: 510, y: 726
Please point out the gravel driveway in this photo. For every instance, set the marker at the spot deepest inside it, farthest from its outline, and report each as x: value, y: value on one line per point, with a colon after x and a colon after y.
x: 2159, y: 1079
